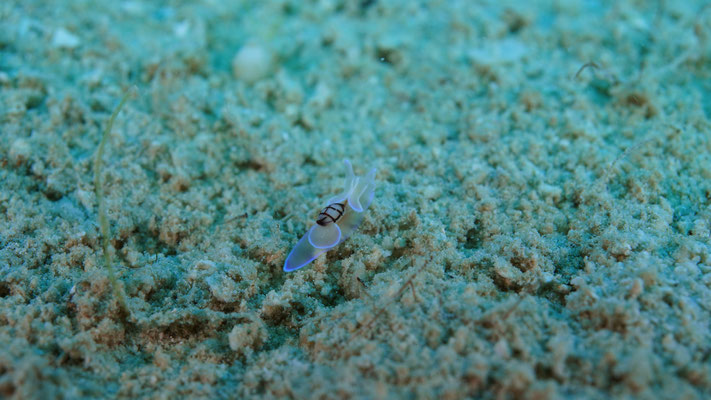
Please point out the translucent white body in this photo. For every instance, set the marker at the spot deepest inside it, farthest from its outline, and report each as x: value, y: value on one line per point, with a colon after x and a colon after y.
x: 357, y: 196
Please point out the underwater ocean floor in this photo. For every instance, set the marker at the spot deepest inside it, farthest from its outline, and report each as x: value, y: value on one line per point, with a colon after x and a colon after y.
x: 540, y: 227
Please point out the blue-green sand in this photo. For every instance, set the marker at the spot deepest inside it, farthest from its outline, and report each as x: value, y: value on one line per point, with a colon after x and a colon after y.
x: 540, y: 226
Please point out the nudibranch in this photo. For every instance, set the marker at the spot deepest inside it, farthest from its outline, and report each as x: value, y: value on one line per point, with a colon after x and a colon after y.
x: 337, y: 221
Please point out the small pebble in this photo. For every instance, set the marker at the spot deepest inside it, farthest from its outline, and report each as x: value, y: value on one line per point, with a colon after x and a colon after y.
x: 252, y: 63
x: 62, y: 38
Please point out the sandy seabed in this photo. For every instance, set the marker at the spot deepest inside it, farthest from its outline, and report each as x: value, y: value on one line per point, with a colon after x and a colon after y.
x: 541, y: 222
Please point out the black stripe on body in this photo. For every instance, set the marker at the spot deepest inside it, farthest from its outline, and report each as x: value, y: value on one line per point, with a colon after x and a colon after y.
x: 330, y: 214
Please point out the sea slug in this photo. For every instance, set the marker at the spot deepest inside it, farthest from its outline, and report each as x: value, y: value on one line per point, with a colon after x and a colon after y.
x: 339, y: 218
